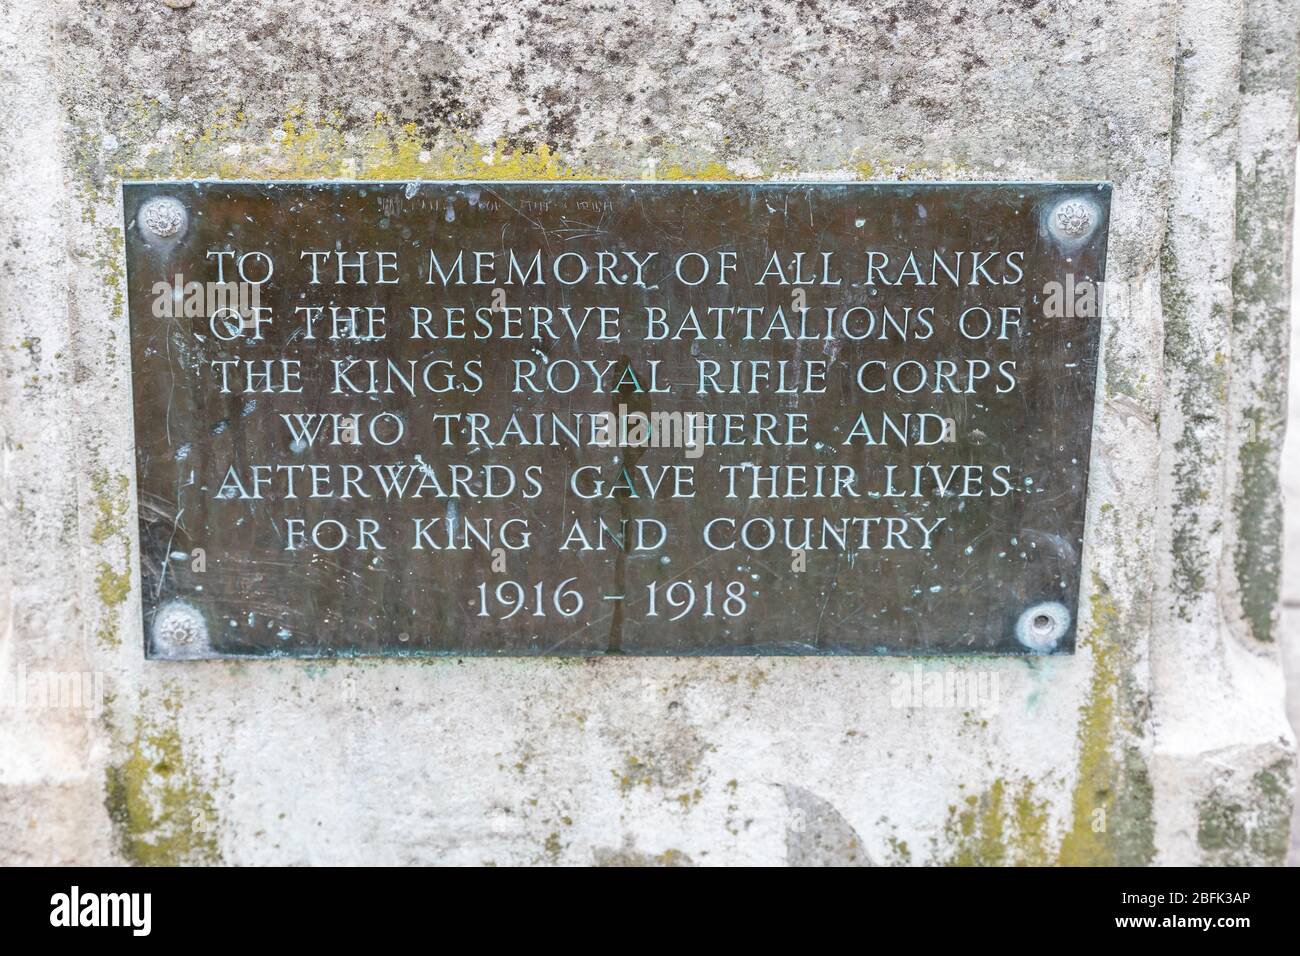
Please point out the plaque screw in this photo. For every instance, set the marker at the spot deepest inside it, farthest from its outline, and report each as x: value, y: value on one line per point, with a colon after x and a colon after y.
x: 1071, y: 219
x: 1041, y: 626
x: 164, y: 217
x: 179, y: 630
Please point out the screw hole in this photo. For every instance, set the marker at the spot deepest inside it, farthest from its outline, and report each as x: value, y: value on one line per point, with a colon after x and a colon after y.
x: 1041, y: 627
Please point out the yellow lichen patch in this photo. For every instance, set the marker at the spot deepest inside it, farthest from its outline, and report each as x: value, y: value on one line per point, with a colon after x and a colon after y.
x: 865, y: 169
x: 107, y: 261
x: 888, y: 168
x: 400, y: 152
x: 899, y: 852
x: 303, y: 147
x: 109, y: 506
x: 1110, y: 805
x: 690, y: 798
x: 315, y: 144
x: 1093, y: 803
x: 109, y: 509
x: 112, y: 587
x: 712, y: 170
x: 1000, y: 827
x: 629, y: 855
x: 672, y: 857
x: 635, y: 773
x: 161, y: 813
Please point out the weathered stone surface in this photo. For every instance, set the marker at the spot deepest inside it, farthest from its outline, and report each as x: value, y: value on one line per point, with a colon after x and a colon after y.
x: 1289, y: 619
x: 1162, y: 740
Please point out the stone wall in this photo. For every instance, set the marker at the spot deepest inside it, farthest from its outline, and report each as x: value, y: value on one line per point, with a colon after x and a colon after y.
x: 1163, y: 740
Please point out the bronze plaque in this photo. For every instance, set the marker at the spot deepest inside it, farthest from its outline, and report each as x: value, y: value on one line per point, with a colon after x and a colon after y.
x: 595, y: 418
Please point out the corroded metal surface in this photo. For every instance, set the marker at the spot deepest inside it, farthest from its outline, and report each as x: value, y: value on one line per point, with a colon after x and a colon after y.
x: 932, y: 502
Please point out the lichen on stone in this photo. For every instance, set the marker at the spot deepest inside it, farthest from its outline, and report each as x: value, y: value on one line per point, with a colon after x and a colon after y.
x: 110, y: 505
x: 161, y: 811
x: 1003, y: 826
x: 1249, y: 828
x: 1111, y: 804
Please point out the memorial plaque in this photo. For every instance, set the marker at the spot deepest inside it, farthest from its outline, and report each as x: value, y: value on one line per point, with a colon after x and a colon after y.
x: 592, y: 418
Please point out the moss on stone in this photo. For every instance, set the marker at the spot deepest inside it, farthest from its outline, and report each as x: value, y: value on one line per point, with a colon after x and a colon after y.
x: 1250, y: 828
x: 1258, y: 553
